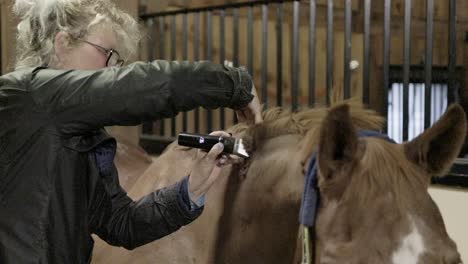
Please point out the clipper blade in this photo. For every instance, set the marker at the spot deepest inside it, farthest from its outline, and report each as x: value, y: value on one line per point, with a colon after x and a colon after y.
x: 239, y: 149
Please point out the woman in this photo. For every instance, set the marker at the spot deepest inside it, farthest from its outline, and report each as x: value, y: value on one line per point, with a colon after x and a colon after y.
x: 58, y: 183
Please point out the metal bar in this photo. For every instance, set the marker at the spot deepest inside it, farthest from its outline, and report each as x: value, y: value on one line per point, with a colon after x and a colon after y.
x: 347, y: 50
x: 295, y: 57
x: 428, y: 63
x: 264, y: 53
x: 162, y: 55
x: 249, y: 45
x: 452, y: 52
x: 366, y: 68
x: 250, y: 39
x: 162, y: 38
x: 173, y: 38
x: 208, y: 35
x: 406, y: 68
x: 222, y: 58
x: 173, y: 58
x: 208, y: 50
x: 235, y: 28
x: 235, y: 44
x: 329, y: 83
x: 196, y: 36
x: 184, y: 37
x: 147, y: 127
x: 312, y: 15
x: 184, y: 57
x: 196, y: 57
x: 386, y: 57
x: 209, y: 8
x: 279, y: 54
x: 222, y: 36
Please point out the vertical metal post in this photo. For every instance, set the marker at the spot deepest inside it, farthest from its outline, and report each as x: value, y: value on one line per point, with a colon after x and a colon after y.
x: 406, y: 68
x: 208, y: 50
x: 279, y: 54
x: 330, y: 47
x: 235, y: 29
x: 173, y: 58
x: 184, y: 37
x: 162, y: 38
x: 386, y: 56
x: 452, y: 94
x: 264, y: 54
x: 428, y: 63
x: 196, y: 55
x: 147, y: 127
x: 347, y: 50
x: 222, y: 58
x: 312, y: 15
x: 366, y: 68
x: 250, y: 39
x: 295, y: 57
x: 184, y: 57
x: 162, y: 55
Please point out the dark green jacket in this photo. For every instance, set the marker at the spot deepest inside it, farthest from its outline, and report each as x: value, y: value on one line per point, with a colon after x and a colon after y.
x: 58, y: 183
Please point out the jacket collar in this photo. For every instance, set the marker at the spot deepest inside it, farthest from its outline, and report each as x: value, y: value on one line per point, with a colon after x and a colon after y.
x: 85, y: 143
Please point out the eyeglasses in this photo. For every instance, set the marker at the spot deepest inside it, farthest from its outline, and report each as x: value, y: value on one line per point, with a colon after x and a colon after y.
x: 113, y: 57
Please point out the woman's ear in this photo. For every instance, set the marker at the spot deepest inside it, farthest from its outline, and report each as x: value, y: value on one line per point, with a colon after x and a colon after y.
x: 61, y: 45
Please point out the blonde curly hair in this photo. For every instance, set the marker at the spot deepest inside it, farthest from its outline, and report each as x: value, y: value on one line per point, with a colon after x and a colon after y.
x: 41, y: 20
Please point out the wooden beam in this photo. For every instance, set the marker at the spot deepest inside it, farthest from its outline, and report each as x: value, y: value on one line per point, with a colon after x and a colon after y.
x: 7, y: 36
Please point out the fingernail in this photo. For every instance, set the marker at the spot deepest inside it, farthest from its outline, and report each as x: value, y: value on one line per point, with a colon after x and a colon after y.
x: 219, y: 146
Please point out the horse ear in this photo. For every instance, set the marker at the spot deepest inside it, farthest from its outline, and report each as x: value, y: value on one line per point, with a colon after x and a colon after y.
x: 338, y: 141
x: 438, y: 146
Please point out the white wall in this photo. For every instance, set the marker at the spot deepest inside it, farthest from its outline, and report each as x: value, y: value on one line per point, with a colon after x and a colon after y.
x: 453, y: 204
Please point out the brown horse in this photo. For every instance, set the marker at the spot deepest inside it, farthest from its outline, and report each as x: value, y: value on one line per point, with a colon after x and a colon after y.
x: 374, y: 205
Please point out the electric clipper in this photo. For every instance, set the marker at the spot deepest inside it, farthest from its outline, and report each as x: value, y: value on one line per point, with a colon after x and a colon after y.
x: 232, y: 145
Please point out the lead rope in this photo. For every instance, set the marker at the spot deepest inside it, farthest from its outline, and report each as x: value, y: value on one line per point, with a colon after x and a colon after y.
x: 306, y: 257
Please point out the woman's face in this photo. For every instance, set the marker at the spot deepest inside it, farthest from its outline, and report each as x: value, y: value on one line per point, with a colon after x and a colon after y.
x: 90, y: 53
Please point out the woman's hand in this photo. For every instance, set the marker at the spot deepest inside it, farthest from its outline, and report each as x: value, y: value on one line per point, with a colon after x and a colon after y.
x: 251, y: 114
x: 208, y: 167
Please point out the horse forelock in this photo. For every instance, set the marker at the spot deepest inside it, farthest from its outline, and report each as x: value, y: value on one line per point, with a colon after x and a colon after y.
x: 384, y: 168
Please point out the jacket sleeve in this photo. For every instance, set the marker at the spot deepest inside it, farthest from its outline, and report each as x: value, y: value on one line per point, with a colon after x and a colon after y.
x: 80, y: 100
x: 122, y: 222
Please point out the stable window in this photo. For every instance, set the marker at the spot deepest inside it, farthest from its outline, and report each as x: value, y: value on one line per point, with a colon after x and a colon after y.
x: 415, y: 108
x: 441, y: 95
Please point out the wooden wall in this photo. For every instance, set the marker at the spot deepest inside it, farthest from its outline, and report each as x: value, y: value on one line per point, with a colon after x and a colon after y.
x: 7, y: 36
x: 7, y: 25
x: 440, y: 45
x: 272, y: 62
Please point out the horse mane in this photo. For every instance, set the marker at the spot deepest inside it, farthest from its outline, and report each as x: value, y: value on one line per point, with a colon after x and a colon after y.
x: 280, y: 121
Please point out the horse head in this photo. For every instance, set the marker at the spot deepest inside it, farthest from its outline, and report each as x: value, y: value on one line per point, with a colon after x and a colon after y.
x: 374, y: 203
